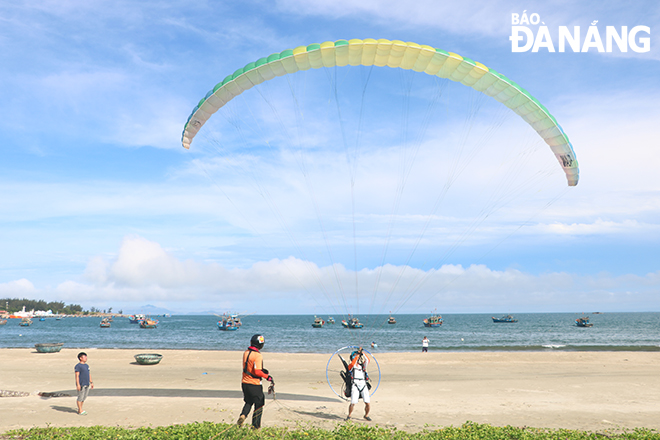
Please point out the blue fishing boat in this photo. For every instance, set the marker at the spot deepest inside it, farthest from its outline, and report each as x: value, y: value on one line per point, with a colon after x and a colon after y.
x: 318, y: 322
x: 352, y: 323
x: 507, y: 318
x: 433, y: 321
x: 583, y: 322
x: 229, y: 322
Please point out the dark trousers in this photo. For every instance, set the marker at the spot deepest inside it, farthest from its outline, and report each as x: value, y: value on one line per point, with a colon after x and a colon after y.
x: 253, y: 395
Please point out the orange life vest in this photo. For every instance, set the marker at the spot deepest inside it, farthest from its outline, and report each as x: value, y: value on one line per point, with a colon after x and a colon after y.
x: 252, y: 360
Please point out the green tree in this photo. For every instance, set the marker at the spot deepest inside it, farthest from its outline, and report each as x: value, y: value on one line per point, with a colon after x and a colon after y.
x: 15, y: 304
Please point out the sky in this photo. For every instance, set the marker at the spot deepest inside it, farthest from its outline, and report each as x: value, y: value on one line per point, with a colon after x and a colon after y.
x: 295, y: 200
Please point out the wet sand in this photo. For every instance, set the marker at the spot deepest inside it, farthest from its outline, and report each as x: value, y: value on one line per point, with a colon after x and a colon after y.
x: 593, y: 391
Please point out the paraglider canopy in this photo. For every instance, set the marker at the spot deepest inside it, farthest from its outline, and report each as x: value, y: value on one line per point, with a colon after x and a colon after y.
x: 394, y: 54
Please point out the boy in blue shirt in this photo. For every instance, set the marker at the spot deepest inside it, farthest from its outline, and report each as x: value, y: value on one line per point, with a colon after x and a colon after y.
x: 83, y: 381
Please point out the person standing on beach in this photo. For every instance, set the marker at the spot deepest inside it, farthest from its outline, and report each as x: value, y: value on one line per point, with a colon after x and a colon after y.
x: 253, y: 372
x: 360, y: 386
x: 425, y: 345
x: 83, y: 381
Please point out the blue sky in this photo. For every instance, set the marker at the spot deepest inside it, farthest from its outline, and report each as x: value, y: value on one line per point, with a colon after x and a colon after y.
x: 102, y: 206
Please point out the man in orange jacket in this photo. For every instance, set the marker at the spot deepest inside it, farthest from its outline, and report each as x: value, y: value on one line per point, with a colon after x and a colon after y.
x: 253, y: 372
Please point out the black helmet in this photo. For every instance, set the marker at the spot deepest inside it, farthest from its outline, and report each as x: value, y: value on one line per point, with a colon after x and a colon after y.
x: 257, y: 341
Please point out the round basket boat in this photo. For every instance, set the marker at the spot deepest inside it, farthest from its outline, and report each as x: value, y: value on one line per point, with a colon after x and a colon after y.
x: 148, y: 358
x: 49, y: 348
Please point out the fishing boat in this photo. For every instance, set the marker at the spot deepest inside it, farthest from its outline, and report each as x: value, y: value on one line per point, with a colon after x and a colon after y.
x: 318, y: 322
x: 507, y: 318
x: 583, y: 322
x: 3, y: 321
x: 391, y: 320
x: 136, y: 319
x: 25, y: 322
x: 352, y: 323
x: 229, y: 322
x: 49, y: 348
x: 105, y: 323
x: 42, y: 319
x: 149, y: 323
x: 331, y: 320
x: 433, y: 321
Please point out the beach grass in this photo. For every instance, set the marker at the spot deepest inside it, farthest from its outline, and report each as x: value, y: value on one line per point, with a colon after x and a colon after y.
x: 213, y: 431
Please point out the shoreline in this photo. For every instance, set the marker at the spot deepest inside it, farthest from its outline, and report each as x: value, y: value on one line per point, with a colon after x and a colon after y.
x: 574, y: 390
x: 517, y: 349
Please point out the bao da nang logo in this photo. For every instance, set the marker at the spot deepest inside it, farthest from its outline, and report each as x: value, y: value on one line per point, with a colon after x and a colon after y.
x: 563, y: 39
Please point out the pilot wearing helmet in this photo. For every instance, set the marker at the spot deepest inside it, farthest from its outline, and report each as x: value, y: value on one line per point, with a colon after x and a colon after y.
x: 361, y: 385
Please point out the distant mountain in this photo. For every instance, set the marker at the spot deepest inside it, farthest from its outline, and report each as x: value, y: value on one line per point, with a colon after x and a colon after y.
x: 149, y: 309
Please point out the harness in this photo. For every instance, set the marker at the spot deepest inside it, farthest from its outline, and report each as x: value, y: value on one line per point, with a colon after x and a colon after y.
x: 245, y: 369
x: 363, y: 369
x: 365, y: 379
x: 349, y: 380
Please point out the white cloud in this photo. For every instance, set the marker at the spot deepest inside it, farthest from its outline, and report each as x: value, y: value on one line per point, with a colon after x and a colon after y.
x: 601, y: 227
x: 142, y: 263
x: 144, y: 271
x: 17, y: 289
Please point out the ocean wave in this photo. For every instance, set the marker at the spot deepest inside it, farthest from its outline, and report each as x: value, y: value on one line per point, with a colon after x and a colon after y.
x: 553, y: 346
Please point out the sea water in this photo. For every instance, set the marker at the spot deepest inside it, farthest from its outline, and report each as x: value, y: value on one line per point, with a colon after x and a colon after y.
x: 294, y: 333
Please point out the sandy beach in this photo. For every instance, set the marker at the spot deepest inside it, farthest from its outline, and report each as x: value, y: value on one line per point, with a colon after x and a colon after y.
x: 576, y: 390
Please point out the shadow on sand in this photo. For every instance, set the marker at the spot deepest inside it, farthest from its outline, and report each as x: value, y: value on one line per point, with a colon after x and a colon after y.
x: 178, y: 392
x: 319, y: 415
x: 66, y: 409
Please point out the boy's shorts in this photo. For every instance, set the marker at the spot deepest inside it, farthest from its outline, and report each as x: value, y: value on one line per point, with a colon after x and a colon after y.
x: 82, y: 394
